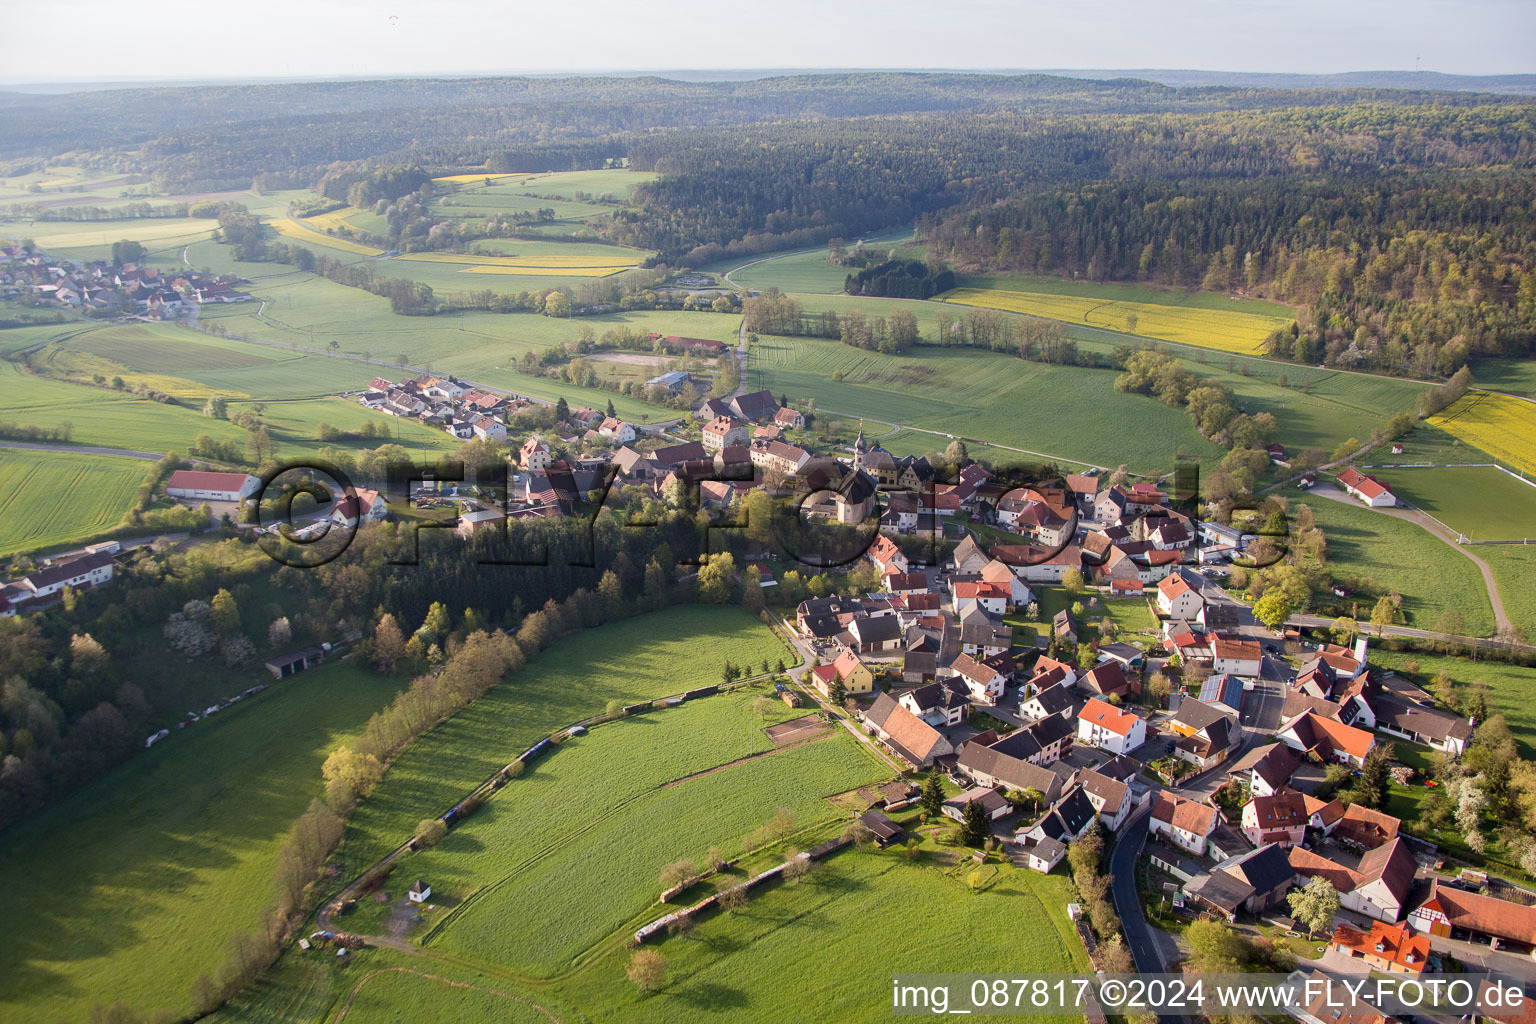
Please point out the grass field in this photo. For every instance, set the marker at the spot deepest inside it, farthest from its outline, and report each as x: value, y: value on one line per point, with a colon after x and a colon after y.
x: 464, y: 179
x: 823, y: 948
x: 983, y: 395
x: 523, y: 864
x: 1482, y: 502
x: 74, y: 235
x: 1224, y: 330
x: 130, y: 887
x: 49, y: 498
x: 1502, y: 426
x: 1390, y: 554
x: 648, y: 656
x: 1514, y: 571
x: 102, y: 417
x: 1509, y: 686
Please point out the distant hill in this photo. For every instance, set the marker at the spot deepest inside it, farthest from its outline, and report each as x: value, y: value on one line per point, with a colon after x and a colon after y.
x: 1513, y: 85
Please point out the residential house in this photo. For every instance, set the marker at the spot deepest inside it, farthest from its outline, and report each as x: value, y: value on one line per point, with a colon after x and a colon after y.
x: 1111, y: 798
x: 789, y: 419
x: 908, y: 736
x: 1363, y: 827
x: 1205, y: 732
x: 1250, y: 883
x: 855, y: 675
x: 993, y: 804
x: 1046, y: 701
x: 1278, y: 818
x: 1238, y: 657
x: 1176, y: 598
x: 722, y: 431
x: 1108, y: 679
x: 1224, y: 692
x: 619, y: 432
x: 76, y: 572
x: 984, y: 683
x: 1378, y: 887
x: 1267, y: 769
x: 997, y: 765
x: 363, y: 505
x: 998, y: 574
x: 1044, y: 854
x: 1187, y: 824
x: 534, y: 455
x: 1311, y: 733
x: 940, y: 704
x: 1389, y: 948
x: 888, y: 557
x: 1050, y: 672
x: 876, y: 634
x: 1063, y: 628
x: 1068, y: 820
x: 991, y: 598
x: 1103, y: 725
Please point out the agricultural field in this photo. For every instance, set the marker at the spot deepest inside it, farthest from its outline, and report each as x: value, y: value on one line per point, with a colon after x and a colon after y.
x: 522, y: 864
x: 302, y: 233
x: 1391, y: 554
x: 51, y: 498
x: 617, y: 183
x: 466, y: 179
x: 71, y: 236
x: 1224, y: 330
x: 804, y: 271
x: 135, y: 883
x: 983, y: 395
x: 1517, y: 376
x: 1502, y: 426
x: 103, y: 417
x: 648, y: 656
x: 1480, y: 501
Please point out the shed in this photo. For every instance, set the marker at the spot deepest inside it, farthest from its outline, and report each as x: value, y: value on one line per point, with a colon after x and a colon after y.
x: 885, y: 830
x: 419, y: 892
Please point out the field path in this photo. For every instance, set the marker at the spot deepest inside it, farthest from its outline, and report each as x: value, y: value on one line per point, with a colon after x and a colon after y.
x: 351, y: 996
x: 126, y: 453
x: 1502, y: 625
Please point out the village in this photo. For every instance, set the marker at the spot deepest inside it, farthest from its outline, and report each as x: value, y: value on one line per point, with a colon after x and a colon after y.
x: 103, y: 288
x: 1208, y: 747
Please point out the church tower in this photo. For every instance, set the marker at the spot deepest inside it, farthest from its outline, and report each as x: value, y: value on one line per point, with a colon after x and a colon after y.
x: 860, y: 448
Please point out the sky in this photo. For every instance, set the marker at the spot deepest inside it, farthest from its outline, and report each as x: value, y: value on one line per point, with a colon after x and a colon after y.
x: 100, y: 40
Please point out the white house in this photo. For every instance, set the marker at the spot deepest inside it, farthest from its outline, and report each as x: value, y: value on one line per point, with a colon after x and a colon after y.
x: 80, y: 571
x: 534, y: 455
x: 1237, y: 657
x: 199, y: 485
x: 1177, y: 599
x: 489, y: 428
x: 1105, y: 726
x: 362, y: 504
x: 1367, y: 488
x: 1044, y: 854
x: 985, y: 684
x: 992, y: 598
x: 419, y: 892
x: 1187, y: 824
x: 1111, y: 798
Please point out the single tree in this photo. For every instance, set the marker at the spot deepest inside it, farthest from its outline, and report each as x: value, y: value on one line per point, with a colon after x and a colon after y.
x: 647, y: 969
x: 1314, y: 905
x: 974, y: 828
x: 932, y: 800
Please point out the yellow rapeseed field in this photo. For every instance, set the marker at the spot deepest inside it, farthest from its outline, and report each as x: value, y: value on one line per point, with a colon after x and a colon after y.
x: 295, y: 230
x: 1501, y: 425
x: 333, y: 220
x: 459, y: 179
x: 545, y: 271
x: 1224, y: 330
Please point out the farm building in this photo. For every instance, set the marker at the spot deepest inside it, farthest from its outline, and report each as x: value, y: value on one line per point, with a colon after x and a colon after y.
x: 294, y: 662
x: 197, y: 485
x: 884, y: 829
x: 673, y: 380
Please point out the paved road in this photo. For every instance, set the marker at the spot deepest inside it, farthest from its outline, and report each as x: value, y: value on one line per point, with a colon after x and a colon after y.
x: 1414, y: 516
x: 125, y: 453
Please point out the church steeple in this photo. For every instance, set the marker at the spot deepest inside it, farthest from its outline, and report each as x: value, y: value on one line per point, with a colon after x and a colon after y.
x: 859, y: 448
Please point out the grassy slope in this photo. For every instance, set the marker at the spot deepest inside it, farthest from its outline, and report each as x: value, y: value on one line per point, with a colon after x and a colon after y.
x: 48, y: 498
x: 1066, y: 411
x: 129, y: 888
x: 102, y: 417
x: 648, y: 656
x: 1395, y: 555
x: 820, y: 949
x: 1514, y: 570
x: 528, y: 863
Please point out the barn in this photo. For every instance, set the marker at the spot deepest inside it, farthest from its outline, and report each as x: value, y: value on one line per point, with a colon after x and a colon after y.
x: 200, y: 485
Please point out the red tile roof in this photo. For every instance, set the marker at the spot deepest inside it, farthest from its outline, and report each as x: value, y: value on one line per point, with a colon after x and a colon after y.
x: 1108, y: 716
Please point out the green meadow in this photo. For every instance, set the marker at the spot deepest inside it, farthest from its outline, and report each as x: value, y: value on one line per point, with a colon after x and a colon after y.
x: 52, y: 498
x: 130, y: 888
